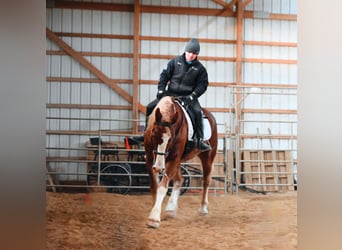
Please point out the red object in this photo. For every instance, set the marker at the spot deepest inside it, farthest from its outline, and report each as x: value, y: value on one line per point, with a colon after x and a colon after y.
x: 128, y: 146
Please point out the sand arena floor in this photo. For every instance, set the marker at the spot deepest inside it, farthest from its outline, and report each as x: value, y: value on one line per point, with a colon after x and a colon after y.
x: 112, y: 221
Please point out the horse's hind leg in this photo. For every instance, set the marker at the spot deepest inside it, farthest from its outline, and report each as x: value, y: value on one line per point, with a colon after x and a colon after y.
x: 206, y: 167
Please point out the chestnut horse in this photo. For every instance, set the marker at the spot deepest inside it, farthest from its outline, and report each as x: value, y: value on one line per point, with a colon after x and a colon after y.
x: 165, y: 142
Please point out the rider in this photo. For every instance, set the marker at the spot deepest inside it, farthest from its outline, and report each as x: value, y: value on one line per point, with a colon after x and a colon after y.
x: 185, y: 76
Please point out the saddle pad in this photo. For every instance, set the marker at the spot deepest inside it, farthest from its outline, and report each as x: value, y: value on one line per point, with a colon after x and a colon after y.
x: 206, y: 126
x: 206, y: 129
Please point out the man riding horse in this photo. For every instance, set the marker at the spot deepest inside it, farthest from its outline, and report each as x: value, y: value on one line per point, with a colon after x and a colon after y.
x: 185, y: 76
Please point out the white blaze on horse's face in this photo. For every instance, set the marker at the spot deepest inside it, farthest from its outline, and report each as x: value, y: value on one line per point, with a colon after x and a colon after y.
x: 160, y: 159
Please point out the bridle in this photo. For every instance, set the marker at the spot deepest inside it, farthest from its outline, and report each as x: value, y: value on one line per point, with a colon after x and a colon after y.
x: 169, y: 125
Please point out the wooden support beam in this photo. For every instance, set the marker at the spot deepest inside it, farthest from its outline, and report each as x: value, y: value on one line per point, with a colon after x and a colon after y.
x: 276, y: 61
x: 271, y: 16
x: 92, y: 6
x: 136, y: 53
x: 220, y: 2
x: 264, y: 43
x: 78, y: 79
x: 155, y: 82
x: 239, y: 47
x: 231, y: 4
x: 168, y: 57
x: 265, y: 136
x: 144, y: 8
x: 87, y: 106
x: 171, y: 39
x: 94, y: 35
x: 78, y: 57
x: 246, y: 3
x: 226, y: 12
x: 271, y: 111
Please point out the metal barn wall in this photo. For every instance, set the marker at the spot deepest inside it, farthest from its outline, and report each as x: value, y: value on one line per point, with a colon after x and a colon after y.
x: 282, y: 71
x: 269, y: 58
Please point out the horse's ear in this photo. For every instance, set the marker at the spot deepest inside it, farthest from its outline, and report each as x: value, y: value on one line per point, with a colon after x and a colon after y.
x: 158, y: 115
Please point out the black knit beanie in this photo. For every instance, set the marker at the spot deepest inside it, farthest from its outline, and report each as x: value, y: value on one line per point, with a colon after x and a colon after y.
x: 193, y: 46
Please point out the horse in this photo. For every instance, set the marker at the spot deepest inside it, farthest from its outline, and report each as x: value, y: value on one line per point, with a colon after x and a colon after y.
x: 166, y: 145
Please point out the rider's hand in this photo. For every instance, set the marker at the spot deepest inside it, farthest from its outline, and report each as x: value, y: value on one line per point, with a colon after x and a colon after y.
x: 190, y: 98
x: 160, y: 94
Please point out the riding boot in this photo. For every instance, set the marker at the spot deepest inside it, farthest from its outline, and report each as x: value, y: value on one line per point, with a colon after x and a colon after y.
x: 200, y: 142
x: 203, y: 146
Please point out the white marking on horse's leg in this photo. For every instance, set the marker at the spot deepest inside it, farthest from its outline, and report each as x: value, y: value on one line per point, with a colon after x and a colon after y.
x: 156, y: 210
x: 159, y: 166
x: 172, y: 205
x: 204, y: 206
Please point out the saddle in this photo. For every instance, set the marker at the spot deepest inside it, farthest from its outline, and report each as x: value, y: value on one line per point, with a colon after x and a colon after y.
x: 190, y: 118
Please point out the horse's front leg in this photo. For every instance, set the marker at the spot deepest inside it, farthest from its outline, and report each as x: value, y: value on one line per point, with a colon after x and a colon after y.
x: 158, y: 193
x: 172, y: 205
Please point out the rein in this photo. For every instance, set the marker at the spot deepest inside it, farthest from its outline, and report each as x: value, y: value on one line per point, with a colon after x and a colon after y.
x: 164, y: 124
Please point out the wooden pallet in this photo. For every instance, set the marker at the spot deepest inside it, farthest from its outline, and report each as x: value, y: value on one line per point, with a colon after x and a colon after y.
x: 268, y: 167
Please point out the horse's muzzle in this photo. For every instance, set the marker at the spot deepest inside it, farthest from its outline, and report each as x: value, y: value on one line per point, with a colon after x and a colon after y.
x: 158, y: 169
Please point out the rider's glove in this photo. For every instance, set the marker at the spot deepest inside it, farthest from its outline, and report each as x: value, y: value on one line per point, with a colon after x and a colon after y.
x: 160, y: 94
x: 190, y: 98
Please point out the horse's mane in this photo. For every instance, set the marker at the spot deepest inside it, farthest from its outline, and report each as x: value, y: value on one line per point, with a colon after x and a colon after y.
x: 166, y: 108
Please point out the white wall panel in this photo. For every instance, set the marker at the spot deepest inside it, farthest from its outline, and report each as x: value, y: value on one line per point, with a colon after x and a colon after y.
x: 66, y: 66
x: 75, y: 93
x: 76, y: 24
x: 56, y: 21
x: 51, y: 46
x: 96, y: 45
x: 184, y: 30
x: 106, y: 27
x: 66, y: 20
x: 220, y: 71
x: 55, y: 68
x: 106, y: 66
x: 86, y: 21
x: 95, y: 94
x: 276, y: 7
x: 96, y: 22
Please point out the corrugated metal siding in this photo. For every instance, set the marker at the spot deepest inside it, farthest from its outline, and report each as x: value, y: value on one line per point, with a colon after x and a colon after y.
x: 168, y: 25
x: 94, y: 22
x: 274, y: 6
x: 266, y: 30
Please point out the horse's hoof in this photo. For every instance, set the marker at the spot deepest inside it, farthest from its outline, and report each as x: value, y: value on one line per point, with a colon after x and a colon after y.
x: 203, y: 211
x: 171, y: 213
x: 153, y: 223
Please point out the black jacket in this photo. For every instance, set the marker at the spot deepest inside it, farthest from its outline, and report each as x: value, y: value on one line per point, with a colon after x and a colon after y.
x: 180, y: 78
